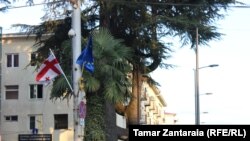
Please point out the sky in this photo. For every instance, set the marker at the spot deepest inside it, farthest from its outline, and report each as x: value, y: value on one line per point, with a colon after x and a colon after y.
x: 228, y: 83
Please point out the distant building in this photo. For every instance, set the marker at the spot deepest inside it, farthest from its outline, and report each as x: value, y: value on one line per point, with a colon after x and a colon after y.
x: 152, y: 105
x: 0, y: 74
x: 169, y: 118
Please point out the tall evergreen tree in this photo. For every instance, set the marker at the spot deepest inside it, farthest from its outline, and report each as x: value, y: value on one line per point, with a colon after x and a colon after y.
x: 142, y: 24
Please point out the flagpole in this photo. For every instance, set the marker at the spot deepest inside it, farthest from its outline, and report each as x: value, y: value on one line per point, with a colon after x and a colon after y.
x: 62, y: 72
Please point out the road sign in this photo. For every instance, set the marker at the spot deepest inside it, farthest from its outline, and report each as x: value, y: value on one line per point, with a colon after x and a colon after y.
x: 82, y: 110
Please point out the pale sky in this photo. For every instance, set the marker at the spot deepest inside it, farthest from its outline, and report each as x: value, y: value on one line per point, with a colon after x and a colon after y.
x: 229, y: 82
x: 28, y: 15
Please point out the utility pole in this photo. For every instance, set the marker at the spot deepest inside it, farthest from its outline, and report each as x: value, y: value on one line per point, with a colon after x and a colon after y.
x: 0, y: 73
x: 196, y: 73
x: 76, y: 69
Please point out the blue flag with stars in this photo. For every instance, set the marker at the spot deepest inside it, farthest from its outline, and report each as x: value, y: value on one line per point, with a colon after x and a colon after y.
x: 86, y: 59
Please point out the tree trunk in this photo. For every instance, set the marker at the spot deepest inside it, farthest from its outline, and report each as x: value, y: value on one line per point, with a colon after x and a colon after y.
x: 95, y: 126
x: 133, y: 111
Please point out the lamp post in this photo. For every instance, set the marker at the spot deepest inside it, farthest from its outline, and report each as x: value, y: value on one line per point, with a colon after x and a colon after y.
x: 207, y: 94
x: 197, y: 93
x: 196, y: 79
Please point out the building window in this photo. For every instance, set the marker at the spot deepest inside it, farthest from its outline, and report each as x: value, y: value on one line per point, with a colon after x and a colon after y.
x: 163, y: 120
x: 32, y: 122
x: 12, y: 60
x: 11, y: 92
x: 35, y: 122
x: 33, y: 59
x: 61, y: 121
x: 11, y: 118
x: 36, y: 91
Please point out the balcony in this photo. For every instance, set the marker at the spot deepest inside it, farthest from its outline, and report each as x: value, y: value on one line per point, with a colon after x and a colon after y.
x: 159, y: 115
x: 143, y: 112
x: 152, y: 105
x: 155, y: 110
x: 146, y: 102
x: 143, y: 119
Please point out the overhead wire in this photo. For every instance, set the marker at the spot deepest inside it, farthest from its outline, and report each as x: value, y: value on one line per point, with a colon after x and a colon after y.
x: 245, y: 6
x: 135, y: 2
x: 29, y: 5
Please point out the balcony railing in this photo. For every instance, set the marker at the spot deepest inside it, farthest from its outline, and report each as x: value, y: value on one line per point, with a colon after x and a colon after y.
x: 143, y: 119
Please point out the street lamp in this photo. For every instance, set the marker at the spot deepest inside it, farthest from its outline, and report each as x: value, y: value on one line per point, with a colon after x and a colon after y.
x: 196, y: 75
x: 197, y: 93
x: 212, y: 65
x: 207, y: 94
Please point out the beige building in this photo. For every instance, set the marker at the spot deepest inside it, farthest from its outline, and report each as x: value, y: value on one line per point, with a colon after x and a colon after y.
x: 0, y: 74
x: 25, y: 105
x: 153, y: 105
x: 170, y: 118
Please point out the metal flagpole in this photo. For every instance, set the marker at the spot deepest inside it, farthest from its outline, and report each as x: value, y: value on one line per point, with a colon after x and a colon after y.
x: 62, y: 72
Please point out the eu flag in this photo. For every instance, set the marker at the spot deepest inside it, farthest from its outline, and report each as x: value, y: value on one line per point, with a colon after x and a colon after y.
x: 86, y: 59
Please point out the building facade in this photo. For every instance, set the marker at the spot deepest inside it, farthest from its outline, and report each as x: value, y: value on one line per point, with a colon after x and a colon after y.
x: 170, y: 118
x: 0, y: 74
x: 153, y: 105
x: 26, y: 107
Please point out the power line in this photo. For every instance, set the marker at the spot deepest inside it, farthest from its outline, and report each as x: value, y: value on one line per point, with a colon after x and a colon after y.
x: 177, y: 4
x: 134, y: 2
x: 25, y: 6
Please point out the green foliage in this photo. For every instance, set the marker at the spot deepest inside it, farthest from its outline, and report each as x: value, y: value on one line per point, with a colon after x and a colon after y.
x: 141, y: 25
x: 92, y: 84
x: 61, y: 88
x: 111, y: 60
x: 109, y: 82
x: 95, y: 125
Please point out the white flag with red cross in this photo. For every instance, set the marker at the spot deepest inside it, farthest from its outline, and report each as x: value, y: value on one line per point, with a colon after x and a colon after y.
x: 49, y: 70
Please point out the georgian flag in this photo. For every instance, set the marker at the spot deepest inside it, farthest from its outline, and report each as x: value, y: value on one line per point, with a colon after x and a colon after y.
x: 49, y: 70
